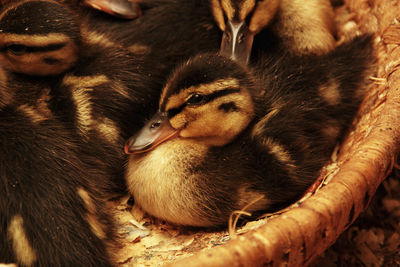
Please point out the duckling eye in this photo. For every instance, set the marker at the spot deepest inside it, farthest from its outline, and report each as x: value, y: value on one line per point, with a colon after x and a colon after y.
x: 155, y: 125
x: 196, y: 99
x: 17, y: 49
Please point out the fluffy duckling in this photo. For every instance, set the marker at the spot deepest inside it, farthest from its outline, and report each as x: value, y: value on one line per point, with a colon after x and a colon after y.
x: 62, y: 134
x: 37, y: 38
x: 170, y: 31
x: 99, y: 89
x: 302, y: 26
x: 52, y: 209
x: 176, y: 26
x: 225, y: 135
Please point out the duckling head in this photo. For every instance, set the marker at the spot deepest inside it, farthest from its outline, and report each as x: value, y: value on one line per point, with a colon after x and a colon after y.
x: 208, y: 100
x: 39, y: 37
x: 240, y: 20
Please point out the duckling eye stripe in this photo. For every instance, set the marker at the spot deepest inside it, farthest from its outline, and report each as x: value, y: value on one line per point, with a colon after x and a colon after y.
x: 221, y: 93
x: 33, y: 49
x: 174, y: 100
x: 174, y: 111
x: 34, y: 41
x: 208, y: 98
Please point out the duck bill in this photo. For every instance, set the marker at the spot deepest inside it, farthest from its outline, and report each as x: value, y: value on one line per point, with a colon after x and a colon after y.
x: 120, y: 8
x: 155, y: 132
x: 237, y: 42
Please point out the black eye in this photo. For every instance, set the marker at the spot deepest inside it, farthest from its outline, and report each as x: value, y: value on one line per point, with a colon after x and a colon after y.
x: 17, y: 49
x: 196, y: 99
x: 155, y: 125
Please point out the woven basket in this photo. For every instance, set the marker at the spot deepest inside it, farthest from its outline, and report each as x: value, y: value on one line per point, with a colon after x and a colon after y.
x: 366, y: 157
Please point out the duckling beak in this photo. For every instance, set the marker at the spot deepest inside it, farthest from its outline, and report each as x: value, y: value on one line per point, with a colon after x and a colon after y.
x: 155, y: 132
x: 120, y: 8
x: 237, y: 42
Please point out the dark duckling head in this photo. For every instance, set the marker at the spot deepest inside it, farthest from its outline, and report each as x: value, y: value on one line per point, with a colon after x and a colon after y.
x: 208, y: 99
x: 38, y: 37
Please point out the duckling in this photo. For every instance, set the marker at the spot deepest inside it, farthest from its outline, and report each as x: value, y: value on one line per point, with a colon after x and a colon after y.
x: 297, y: 26
x: 301, y: 26
x: 31, y: 45
x: 226, y: 135
x: 99, y: 94
x: 168, y: 31
x: 52, y: 208
x: 62, y: 136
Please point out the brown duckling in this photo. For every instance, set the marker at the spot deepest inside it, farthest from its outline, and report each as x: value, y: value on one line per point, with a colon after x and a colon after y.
x: 99, y: 90
x: 62, y: 131
x: 176, y: 26
x: 52, y: 208
x: 226, y: 135
x: 303, y: 27
x: 170, y: 30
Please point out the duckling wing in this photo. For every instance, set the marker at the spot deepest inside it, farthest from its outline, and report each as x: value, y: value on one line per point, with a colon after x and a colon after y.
x: 305, y: 109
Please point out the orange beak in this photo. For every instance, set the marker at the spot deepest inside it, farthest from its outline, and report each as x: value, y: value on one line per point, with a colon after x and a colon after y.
x: 155, y: 132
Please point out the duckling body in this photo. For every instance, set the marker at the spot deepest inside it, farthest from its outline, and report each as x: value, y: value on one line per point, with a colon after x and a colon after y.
x: 52, y: 204
x: 226, y: 136
x: 169, y: 30
x: 103, y: 93
x: 62, y: 132
x: 248, y: 26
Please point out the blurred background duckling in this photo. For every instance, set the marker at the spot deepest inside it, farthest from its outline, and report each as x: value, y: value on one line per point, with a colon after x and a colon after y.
x: 225, y: 135
x: 52, y: 201
x: 301, y: 27
x: 170, y: 30
x: 63, y: 125
x: 101, y: 90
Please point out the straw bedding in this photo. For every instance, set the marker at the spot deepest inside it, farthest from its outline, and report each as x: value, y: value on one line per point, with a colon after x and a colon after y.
x: 300, y: 235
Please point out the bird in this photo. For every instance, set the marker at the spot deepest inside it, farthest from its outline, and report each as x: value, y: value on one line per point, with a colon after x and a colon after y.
x: 67, y: 101
x: 236, y: 27
x: 52, y: 205
x: 95, y: 85
x: 227, y: 134
x: 71, y: 93
x: 169, y: 30
x: 301, y: 27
